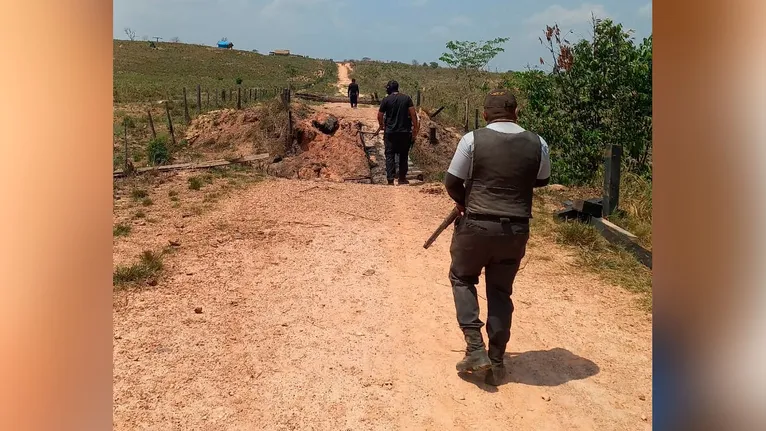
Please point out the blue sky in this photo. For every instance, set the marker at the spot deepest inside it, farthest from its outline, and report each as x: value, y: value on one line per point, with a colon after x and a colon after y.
x: 402, y: 30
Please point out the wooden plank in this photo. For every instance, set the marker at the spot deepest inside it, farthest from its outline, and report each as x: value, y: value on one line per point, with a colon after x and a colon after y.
x: 619, y: 236
x: 202, y: 165
x: 331, y: 99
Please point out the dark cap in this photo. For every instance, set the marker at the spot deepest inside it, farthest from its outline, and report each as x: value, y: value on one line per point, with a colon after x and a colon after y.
x: 500, y: 99
x: 500, y: 104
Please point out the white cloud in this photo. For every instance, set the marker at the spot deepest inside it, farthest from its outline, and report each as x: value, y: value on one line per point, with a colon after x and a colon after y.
x: 646, y: 10
x: 566, y: 18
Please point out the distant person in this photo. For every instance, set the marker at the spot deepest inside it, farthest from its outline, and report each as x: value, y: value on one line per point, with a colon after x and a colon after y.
x: 491, y: 179
x: 353, y: 93
x: 398, y: 118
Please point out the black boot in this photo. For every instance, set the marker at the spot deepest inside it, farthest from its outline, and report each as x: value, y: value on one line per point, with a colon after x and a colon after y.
x: 497, y: 374
x: 476, y: 358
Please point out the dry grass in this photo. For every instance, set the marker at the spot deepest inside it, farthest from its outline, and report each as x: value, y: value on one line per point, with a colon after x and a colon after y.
x: 143, y: 74
x: 612, y: 263
x: 149, y: 265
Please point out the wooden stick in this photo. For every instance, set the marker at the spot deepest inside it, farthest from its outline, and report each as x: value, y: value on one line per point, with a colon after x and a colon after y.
x: 170, y: 125
x: 199, y: 99
x: 151, y: 124
x: 186, y: 109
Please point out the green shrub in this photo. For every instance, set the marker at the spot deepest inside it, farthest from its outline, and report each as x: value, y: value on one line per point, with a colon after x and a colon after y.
x: 157, y: 151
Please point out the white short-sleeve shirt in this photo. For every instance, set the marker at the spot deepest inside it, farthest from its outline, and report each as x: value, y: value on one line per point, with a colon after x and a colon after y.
x: 462, y: 160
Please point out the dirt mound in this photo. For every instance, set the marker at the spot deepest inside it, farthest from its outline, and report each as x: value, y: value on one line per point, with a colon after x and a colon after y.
x: 234, y: 132
x: 337, y: 156
x: 434, y: 159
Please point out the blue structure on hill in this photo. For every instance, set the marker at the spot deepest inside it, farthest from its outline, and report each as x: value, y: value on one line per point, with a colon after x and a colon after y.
x: 223, y: 43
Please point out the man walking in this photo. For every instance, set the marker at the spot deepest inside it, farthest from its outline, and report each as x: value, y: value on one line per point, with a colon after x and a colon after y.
x: 398, y: 118
x: 353, y: 93
x: 491, y: 179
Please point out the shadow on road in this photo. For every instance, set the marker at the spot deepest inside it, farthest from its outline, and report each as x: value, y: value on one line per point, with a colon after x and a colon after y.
x: 553, y: 367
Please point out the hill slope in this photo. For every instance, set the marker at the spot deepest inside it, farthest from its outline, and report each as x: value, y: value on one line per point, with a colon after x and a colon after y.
x: 143, y: 73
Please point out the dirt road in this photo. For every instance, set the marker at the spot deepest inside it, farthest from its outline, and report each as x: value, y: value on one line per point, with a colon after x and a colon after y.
x: 344, y: 69
x: 322, y: 311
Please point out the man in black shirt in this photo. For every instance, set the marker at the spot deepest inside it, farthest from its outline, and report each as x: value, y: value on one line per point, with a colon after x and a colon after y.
x: 353, y: 93
x: 398, y: 118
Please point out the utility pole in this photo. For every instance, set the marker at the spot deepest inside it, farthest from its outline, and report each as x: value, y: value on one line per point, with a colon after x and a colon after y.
x: 157, y: 38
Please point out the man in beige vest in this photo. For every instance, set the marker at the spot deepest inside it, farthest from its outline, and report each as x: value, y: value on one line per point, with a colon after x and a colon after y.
x: 491, y: 179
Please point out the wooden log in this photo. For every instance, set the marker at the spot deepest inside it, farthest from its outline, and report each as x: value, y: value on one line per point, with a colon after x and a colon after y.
x: 438, y: 111
x: 331, y: 99
x: 201, y: 165
x: 619, y: 236
x: 151, y: 124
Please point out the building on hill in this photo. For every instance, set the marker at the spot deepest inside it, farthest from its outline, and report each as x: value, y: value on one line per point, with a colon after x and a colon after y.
x: 280, y: 52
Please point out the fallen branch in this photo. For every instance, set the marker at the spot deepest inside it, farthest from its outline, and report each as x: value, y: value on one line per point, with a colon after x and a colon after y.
x: 357, y: 215
x: 202, y: 165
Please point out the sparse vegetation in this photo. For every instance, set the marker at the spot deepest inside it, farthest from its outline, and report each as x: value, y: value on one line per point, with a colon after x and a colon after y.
x: 148, y: 265
x: 195, y: 183
x: 138, y: 194
x: 121, y: 229
x: 139, y: 214
x: 143, y: 74
x: 147, y: 202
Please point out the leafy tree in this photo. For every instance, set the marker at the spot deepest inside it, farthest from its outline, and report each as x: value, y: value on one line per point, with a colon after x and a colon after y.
x: 471, y: 57
x: 597, y: 93
x: 434, y: 65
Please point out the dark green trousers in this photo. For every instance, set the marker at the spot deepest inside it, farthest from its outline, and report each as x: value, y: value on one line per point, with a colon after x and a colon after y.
x: 497, y: 247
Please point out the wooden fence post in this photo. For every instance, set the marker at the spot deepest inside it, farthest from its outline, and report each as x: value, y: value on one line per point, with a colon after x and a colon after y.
x: 465, y: 127
x: 432, y: 135
x: 231, y: 94
x: 216, y: 98
x: 125, y: 127
x: 199, y: 99
x: 417, y: 99
x: 476, y: 120
x: 289, y: 139
x: 170, y: 125
x: 186, y: 109
x: 239, y: 97
x: 207, y: 94
x: 151, y: 124
x: 255, y: 95
x: 223, y: 96
x: 611, y: 199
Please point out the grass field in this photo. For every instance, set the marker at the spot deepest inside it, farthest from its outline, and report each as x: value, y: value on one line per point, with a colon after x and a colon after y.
x: 143, y: 74
x: 439, y: 87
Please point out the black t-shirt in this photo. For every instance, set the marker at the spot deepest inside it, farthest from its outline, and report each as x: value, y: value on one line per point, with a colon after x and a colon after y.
x: 353, y: 88
x: 396, y: 108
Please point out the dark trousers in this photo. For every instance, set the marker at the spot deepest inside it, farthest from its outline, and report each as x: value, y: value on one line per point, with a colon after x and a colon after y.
x: 397, y: 143
x: 353, y: 98
x: 498, y: 248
